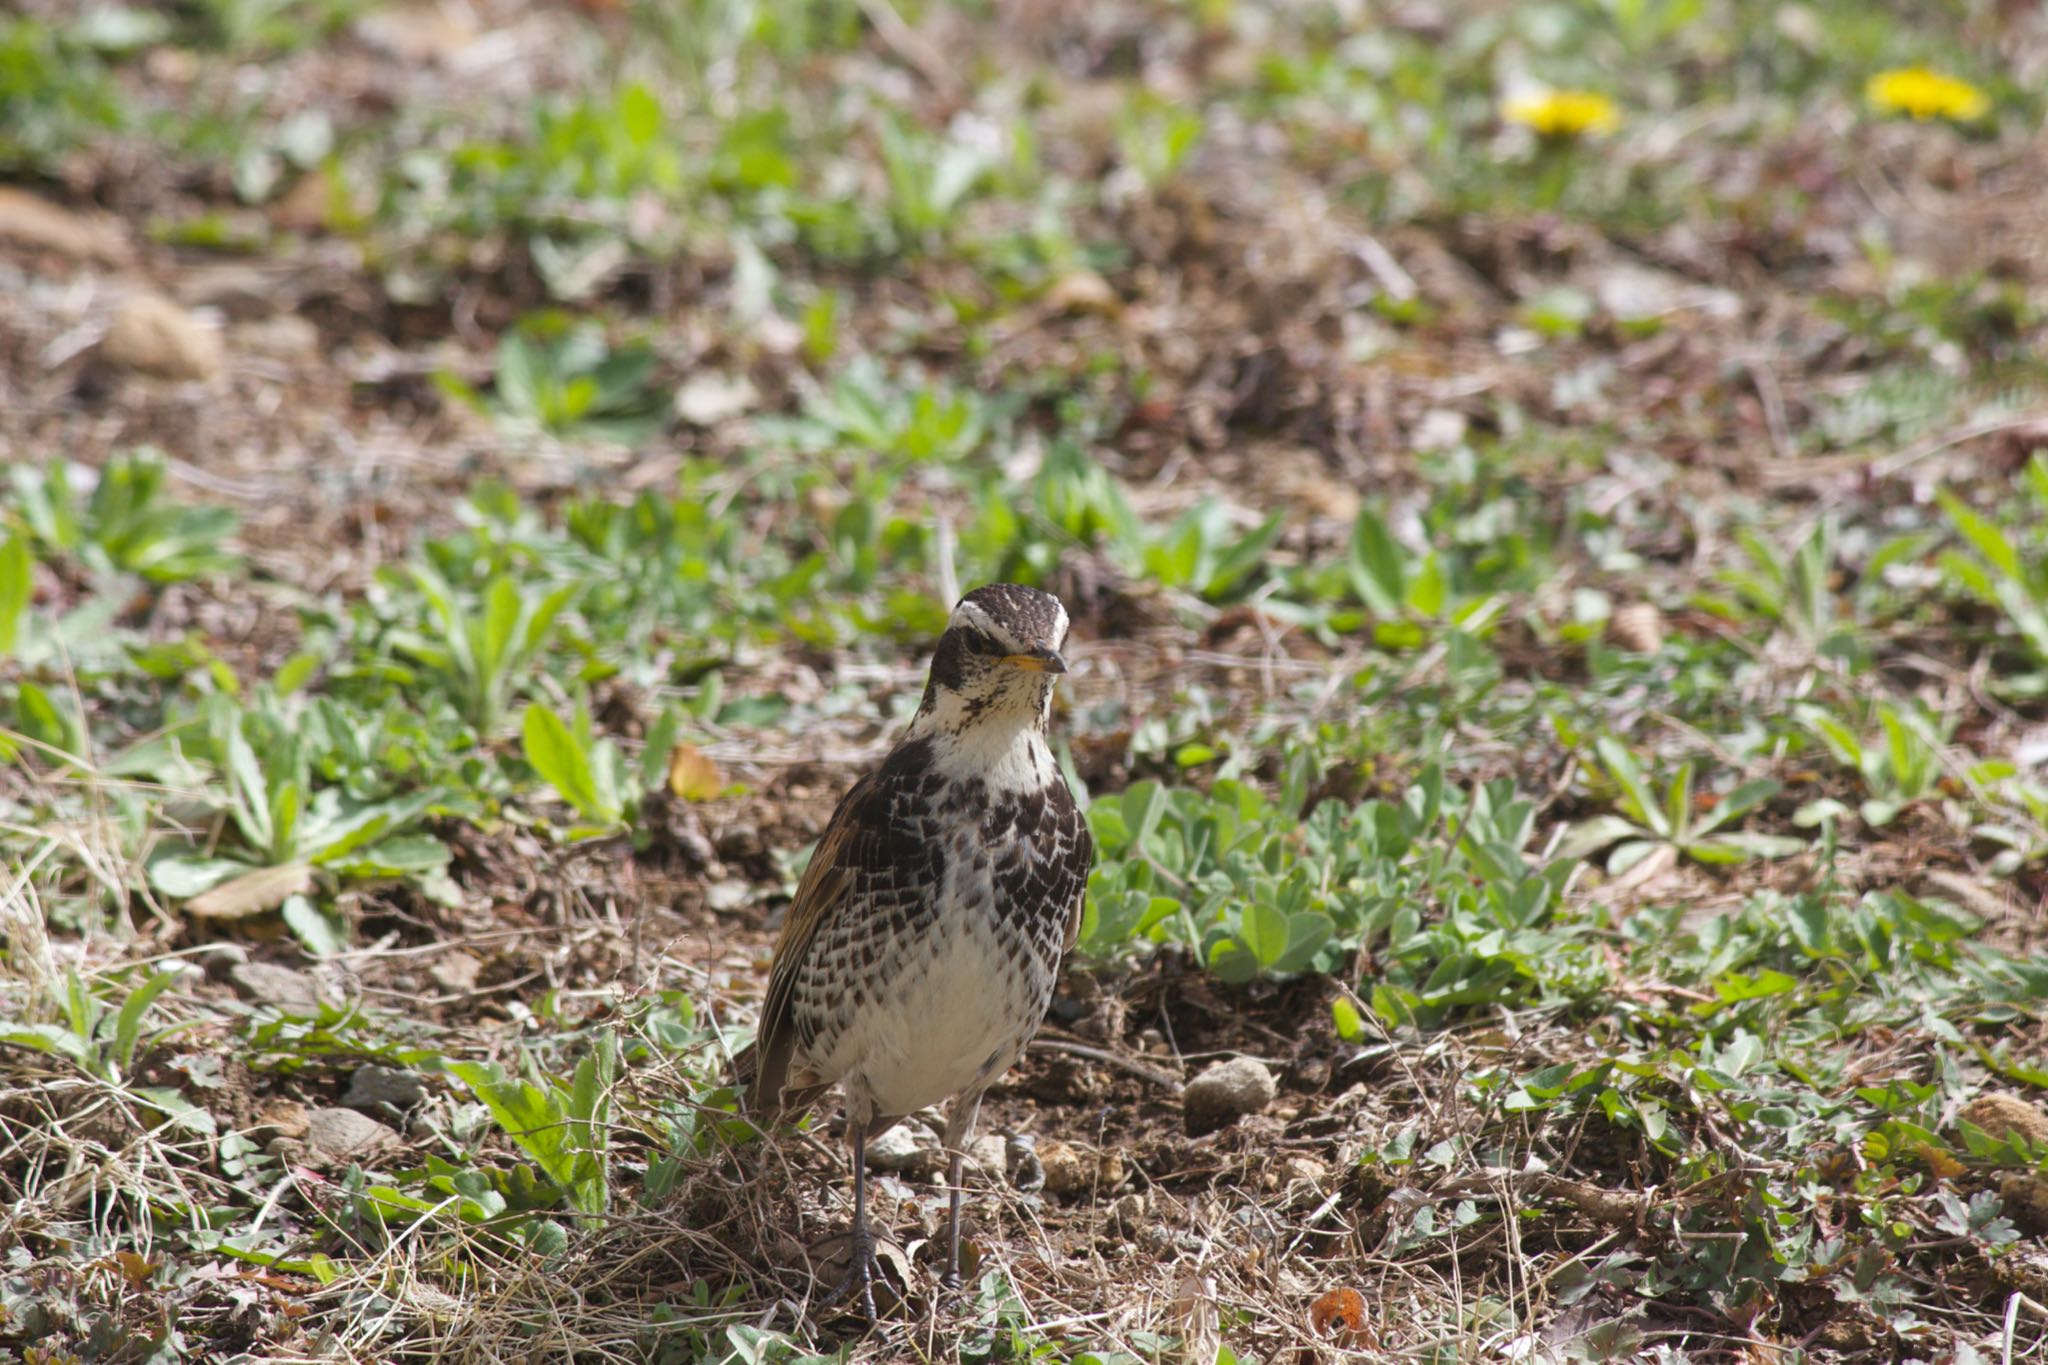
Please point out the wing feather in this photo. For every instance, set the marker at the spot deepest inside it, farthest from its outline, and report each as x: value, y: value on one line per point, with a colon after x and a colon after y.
x: 819, y: 894
x: 1080, y: 858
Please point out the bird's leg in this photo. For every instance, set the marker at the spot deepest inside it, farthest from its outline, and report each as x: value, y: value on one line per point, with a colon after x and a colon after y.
x: 956, y: 1174
x: 859, y: 1284
x: 959, y: 1128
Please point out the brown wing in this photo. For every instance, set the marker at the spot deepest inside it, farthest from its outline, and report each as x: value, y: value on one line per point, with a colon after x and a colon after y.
x: 764, y: 1068
x: 1077, y: 856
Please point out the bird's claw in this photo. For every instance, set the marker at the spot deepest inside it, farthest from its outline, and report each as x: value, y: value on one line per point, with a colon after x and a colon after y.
x: 859, y: 1285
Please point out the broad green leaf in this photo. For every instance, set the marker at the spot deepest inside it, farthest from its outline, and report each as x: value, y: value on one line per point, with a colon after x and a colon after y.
x: 1626, y: 856
x: 519, y: 371
x: 1243, y: 557
x: 284, y: 822
x: 182, y: 877
x: 639, y: 114
x: 1988, y: 539
x: 1375, y: 565
x: 54, y: 1039
x: 1678, y: 799
x: 655, y: 754
x: 322, y: 932
x: 250, y: 790
x: 1590, y: 836
x: 1142, y: 805
x: 1307, y: 932
x: 178, y: 1111
x: 1740, y: 802
x: 1264, y: 932
x: 1739, y: 846
x: 1637, y: 801
x: 1231, y: 962
x: 402, y: 855
x: 552, y: 748
x: 500, y: 628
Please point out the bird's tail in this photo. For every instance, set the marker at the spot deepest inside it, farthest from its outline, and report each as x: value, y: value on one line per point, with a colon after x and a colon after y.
x: 745, y: 1076
x: 785, y: 1101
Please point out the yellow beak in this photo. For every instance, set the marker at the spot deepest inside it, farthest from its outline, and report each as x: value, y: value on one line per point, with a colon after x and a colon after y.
x: 1037, y: 661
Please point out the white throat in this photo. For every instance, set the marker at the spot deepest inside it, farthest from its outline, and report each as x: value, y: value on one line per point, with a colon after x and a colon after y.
x: 1003, y: 746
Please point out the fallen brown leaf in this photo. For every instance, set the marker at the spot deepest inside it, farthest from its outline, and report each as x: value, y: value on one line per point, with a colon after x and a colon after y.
x: 1340, y: 1316
x: 252, y: 893
x: 691, y: 775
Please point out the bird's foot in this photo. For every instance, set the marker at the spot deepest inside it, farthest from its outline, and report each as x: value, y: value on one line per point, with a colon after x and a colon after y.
x: 858, y: 1288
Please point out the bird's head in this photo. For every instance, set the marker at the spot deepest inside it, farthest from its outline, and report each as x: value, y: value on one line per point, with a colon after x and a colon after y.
x: 998, y: 658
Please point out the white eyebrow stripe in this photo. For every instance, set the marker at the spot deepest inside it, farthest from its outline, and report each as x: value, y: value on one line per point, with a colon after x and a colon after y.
x: 970, y: 614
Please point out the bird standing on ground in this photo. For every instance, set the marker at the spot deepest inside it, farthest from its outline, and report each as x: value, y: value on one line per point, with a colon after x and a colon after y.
x: 921, y: 950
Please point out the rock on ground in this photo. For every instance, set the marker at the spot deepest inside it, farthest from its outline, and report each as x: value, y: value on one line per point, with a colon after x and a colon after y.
x: 154, y: 336
x: 285, y: 988
x: 906, y: 1149
x: 37, y: 223
x: 379, y: 1089
x: 338, y: 1135
x: 1225, y: 1092
x: 2002, y: 1115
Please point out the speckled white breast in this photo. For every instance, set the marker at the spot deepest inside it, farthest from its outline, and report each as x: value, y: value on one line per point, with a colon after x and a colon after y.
x: 936, y: 989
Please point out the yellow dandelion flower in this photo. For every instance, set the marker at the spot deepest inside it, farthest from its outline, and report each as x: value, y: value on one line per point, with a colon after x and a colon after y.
x: 1925, y: 94
x: 1563, y: 113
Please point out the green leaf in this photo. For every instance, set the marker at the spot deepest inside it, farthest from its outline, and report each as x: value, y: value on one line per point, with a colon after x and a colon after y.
x: 1740, y: 847
x: 519, y: 370
x: 1345, y: 1017
x: 181, y: 877
x: 1142, y: 805
x: 128, y: 1023
x: 1243, y: 557
x: 1739, y: 803
x: 1989, y: 541
x: 1590, y: 836
x: 1626, y: 856
x: 322, y: 932
x: 500, y: 628
x: 1637, y: 800
x: 1307, y: 932
x: 1678, y: 800
x: 1375, y: 565
x: 178, y: 1111
x: 1231, y: 962
x: 17, y: 588
x: 1264, y: 933
x: 559, y: 757
x: 56, y: 729
x: 661, y: 742
x: 250, y: 791
x: 639, y: 114
x: 403, y: 855
x: 284, y: 822
x: 54, y: 1039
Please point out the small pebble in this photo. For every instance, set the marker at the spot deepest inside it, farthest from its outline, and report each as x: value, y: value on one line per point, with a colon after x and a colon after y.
x: 342, y: 1135
x: 382, y: 1089
x: 1226, y: 1091
x: 1065, y: 1171
x: 906, y: 1149
x: 989, y: 1155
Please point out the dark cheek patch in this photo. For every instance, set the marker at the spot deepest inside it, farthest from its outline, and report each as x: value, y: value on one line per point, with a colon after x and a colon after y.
x: 949, y: 663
